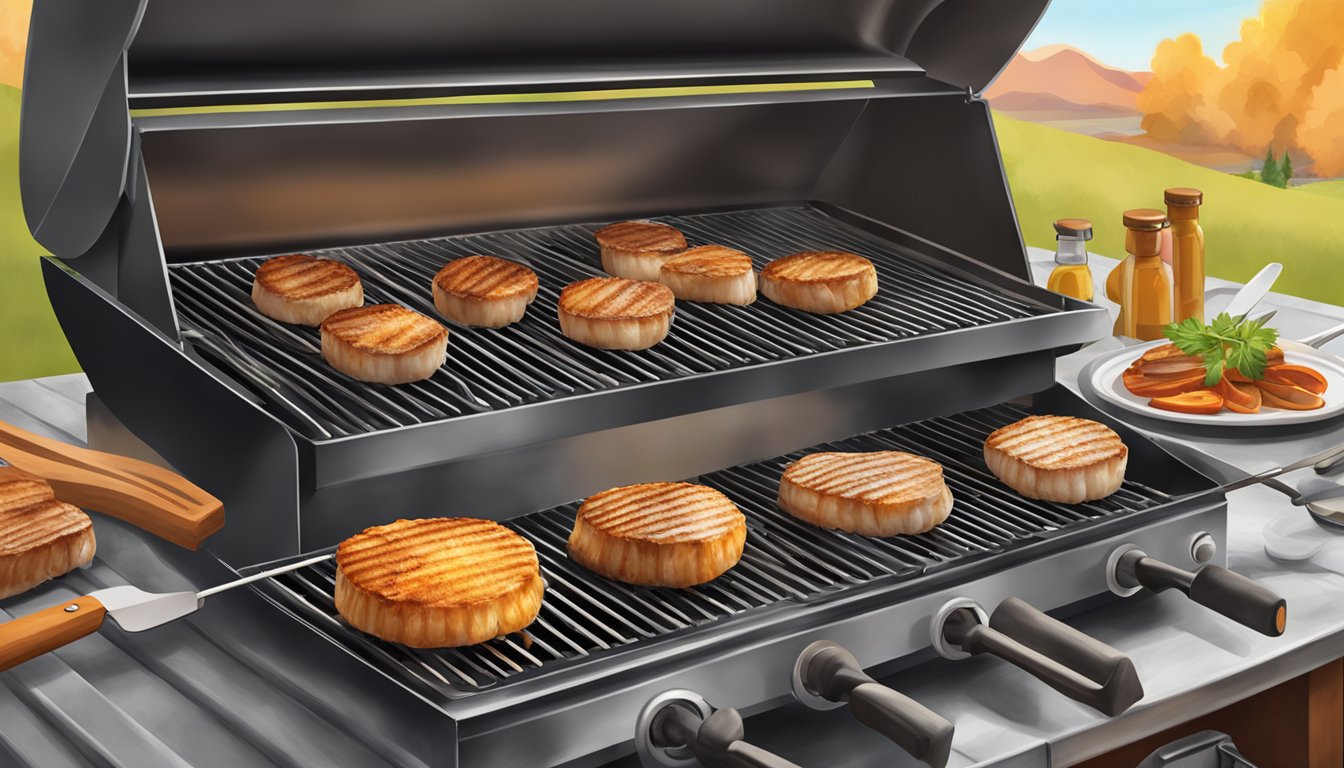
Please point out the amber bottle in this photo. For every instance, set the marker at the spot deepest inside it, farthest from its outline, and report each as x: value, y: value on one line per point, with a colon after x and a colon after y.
x: 1142, y: 284
x: 1072, y: 276
x: 1187, y: 253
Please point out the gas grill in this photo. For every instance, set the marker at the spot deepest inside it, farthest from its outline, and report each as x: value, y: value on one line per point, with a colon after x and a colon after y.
x: 397, y: 136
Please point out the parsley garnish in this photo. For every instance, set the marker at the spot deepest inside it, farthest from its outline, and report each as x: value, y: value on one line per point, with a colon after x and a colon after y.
x: 1227, y: 342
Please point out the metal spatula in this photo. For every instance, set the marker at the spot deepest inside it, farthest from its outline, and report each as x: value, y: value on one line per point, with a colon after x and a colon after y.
x: 133, y: 609
x: 1323, y: 498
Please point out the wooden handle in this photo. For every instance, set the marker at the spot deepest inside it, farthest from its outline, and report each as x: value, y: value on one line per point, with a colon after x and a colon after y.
x: 28, y: 637
x: 144, y: 495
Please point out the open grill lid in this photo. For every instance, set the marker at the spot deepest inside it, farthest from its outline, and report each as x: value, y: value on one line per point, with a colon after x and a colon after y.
x: 91, y: 60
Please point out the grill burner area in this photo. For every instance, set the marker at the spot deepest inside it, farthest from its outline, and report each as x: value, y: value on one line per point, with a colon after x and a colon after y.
x: 530, y: 362
x: 785, y: 562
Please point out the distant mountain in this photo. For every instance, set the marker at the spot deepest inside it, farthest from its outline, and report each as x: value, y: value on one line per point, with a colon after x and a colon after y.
x: 1060, y: 77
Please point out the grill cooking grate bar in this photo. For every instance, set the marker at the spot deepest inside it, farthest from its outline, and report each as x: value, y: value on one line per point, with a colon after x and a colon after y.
x: 785, y: 561
x: 530, y: 362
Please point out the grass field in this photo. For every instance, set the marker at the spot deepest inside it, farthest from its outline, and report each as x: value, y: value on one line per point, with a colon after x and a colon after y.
x: 33, y: 344
x: 1333, y: 188
x: 1054, y: 174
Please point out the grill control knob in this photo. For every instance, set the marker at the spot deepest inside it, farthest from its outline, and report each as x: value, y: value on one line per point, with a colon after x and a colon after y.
x: 827, y: 675
x: 679, y: 728
x: 1213, y: 586
x: 1203, y: 548
x: 1077, y: 665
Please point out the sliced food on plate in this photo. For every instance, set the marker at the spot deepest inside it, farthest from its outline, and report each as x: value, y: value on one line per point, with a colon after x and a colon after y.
x: 658, y: 534
x: 1230, y: 364
x: 880, y: 493
x: 1058, y: 458
x: 438, y: 582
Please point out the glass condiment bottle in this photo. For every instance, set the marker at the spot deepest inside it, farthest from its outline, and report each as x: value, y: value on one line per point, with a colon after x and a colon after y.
x: 1072, y: 276
x: 1142, y: 284
x: 1187, y: 253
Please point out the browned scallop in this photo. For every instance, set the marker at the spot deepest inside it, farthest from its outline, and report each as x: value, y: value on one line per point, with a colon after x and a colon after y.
x: 438, y: 582
x: 879, y: 493
x: 825, y: 282
x: 711, y: 273
x: 384, y: 343
x: 636, y: 250
x: 658, y: 534
x: 303, y: 289
x: 40, y: 537
x: 615, y: 313
x: 484, y: 291
x: 1058, y: 458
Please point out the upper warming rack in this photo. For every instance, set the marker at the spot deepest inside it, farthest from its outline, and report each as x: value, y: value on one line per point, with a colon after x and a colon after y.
x: 530, y: 362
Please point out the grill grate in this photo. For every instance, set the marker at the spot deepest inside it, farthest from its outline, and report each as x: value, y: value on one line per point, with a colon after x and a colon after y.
x: 529, y: 362
x: 584, y: 615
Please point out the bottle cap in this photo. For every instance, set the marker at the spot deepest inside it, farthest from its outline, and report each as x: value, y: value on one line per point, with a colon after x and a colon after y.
x: 1145, y: 219
x: 1183, y: 196
x: 1073, y: 228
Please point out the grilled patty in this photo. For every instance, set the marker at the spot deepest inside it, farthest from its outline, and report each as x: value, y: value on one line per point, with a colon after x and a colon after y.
x: 438, y: 582
x: 637, y: 249
x: 615, y: 313
x: 40, y: 537
x: 711, y: 273
x: 484, y: 291
x: 302, y: 289
x: 384, y: 343
x: 820, y: 281
x: 658, y: 534
x: 882, y: 493
x: 1058, y: 458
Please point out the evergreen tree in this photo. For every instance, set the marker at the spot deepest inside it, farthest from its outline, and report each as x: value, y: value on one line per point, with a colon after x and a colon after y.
x: 1269, y: 174
x: 1285, y: 170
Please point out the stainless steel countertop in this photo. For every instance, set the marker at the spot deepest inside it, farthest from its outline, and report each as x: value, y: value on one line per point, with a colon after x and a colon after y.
x: 61, y: 709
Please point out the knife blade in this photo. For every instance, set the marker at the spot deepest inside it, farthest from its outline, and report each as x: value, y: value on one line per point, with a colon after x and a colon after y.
x: 1254, y: 290
x: 134, y: 610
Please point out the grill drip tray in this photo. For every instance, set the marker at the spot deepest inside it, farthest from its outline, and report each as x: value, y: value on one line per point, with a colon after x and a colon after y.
x: 786, y: 563
x: 531, y: 362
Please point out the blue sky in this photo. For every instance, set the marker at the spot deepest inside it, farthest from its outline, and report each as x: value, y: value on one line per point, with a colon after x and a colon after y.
x: 1124, y: 33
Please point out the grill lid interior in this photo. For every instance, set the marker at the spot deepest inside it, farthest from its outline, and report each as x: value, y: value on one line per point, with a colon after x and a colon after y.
x: 209, y: 48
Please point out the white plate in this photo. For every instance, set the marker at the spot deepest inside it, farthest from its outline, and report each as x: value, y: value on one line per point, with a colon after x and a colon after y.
x: 1106, y: 372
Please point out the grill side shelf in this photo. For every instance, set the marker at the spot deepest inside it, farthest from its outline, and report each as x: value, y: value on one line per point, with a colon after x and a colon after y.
x: 786, y: 563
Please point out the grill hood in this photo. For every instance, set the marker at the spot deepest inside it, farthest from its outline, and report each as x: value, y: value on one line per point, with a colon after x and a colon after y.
x: 410, y: 117
x: 166, y: 147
